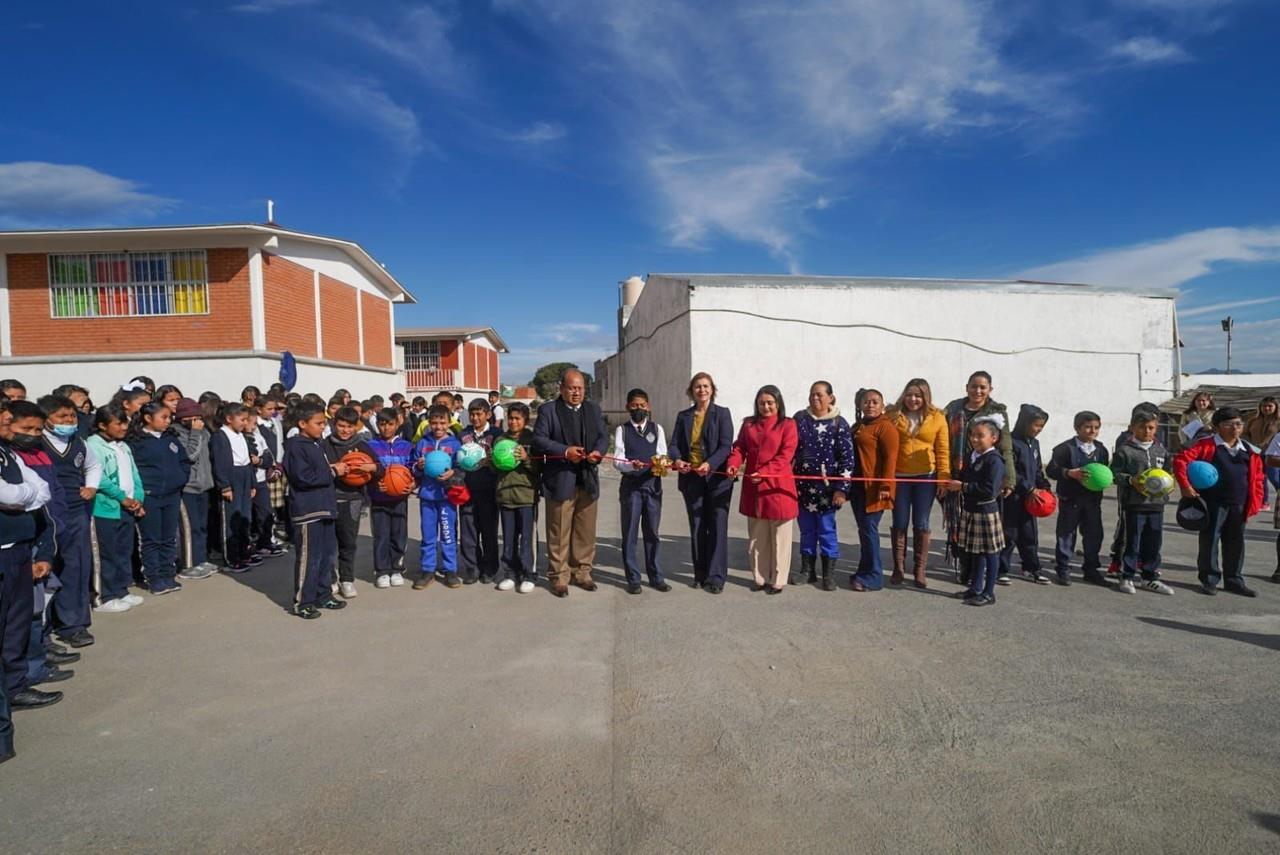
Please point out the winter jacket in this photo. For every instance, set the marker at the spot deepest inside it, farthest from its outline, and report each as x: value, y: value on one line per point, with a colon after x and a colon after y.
x: 106, y: 503
x: 196, y: 443
x: 766, y: 447
x: 163, y: 463
x: 824, y: 446
x: 1066, y: 456
x: 981, y: 482
x: 958, y: 418
x: 1206, y: 449
x: 1132, y: 459
x: 876, y: 443
x: 482, y: 479
x: 519, y: 487
x: 311, y: 496
x: 432, y: 489
x: 1029, y: 466
x: 928, y: 449
x: 398, y: 451
x: 335, y: 449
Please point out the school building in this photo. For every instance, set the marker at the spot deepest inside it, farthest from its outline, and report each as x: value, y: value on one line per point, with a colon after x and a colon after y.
x: 1064, y: 347
x: 454, y: 359
x: 203, y: 307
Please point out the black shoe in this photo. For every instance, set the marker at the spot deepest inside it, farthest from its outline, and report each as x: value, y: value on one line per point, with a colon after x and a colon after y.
x: 1208, y: 590
x: 51, y: 646
x: 980, y: 600
x: 1097, y: 578
x: 772, y: 590
x: 755, y: 587
x: 1063, y: 579
x: 307, y: 612
x: 635, y: 588
x: 696, y: 584
x: 54, y: 674
x: 963, y: 595
x: 79, y: 638
x: 1240, y: 588
x: 661, y: 587
x: 7, y: 754
x: 29, y: 699
x: 332, y: 603
x: 713, y: 589
x: 485, y: 580
x: 62, y: 658
x: 1275, y: 577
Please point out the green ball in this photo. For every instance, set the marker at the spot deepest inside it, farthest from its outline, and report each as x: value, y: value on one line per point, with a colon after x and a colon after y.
x: 1097, y: 477
x: 504, y: 455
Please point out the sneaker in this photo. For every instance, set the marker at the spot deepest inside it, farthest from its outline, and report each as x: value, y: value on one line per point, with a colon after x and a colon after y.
x: 275, y: 549
x: 423, y: 581
x: 111, y: 606
x: 331, y: 604
x: 1265, y: 507
x: 1038, y: 578
x: 383, y: 581
x: 506, y: 585
x: 306, y: 612
x: 347, y: 590
x: 1156, y: 586
x: 1126, y: 586
x: 397, y: 579
x: 451, y: 580
x: 253, y: 560
x: 162, y: 587
x: 1113, y: 569
x: 485, y: 579
x: 1003, y: 579
x: 211, y: 567
x: 526, y: 587
x: 197, y: 572
x: 238, y: 567
x: 133, y: 599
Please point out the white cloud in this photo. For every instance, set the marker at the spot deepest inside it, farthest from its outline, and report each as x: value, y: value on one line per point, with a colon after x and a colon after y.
x: 1148, y: 50
x: 1197, y: 311
x: 579, y: 343
x: 417, y: 40
x: 1166, y: 263
x: 37, y: 193
x: 540, y: 132
x: 267, y: 7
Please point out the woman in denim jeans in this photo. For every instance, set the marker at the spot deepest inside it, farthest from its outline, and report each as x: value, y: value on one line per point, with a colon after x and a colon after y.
x: 924, y: 453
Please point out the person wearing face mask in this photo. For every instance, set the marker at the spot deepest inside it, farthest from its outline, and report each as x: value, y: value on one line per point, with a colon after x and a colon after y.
x: 640, y: 494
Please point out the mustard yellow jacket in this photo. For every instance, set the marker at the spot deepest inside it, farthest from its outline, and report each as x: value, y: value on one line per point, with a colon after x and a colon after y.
x: 928, y: 449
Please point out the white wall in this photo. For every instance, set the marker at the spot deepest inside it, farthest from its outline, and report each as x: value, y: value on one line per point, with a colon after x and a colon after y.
x: 656, y: 357
x: 1121, y: 345
x: 332, y: 261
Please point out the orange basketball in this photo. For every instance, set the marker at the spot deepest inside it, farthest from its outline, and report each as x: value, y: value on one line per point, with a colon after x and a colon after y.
x: 355, y: 478
x: 398, y: 481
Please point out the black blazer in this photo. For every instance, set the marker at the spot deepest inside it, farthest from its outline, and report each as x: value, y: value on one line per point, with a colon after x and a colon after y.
x: 717, y: 442
x: 560, y: 477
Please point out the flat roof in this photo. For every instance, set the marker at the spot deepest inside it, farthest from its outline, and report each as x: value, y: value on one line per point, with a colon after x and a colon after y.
x: 35, y: 240
x: 786, y: 280
x: 454, y: 332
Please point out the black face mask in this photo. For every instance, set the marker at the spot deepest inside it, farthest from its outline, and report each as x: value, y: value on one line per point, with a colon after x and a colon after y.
x: 25, y: 442
x: 638, y: 415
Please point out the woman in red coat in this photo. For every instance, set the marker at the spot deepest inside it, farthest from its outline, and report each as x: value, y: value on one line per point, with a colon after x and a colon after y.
x: 763, y: 453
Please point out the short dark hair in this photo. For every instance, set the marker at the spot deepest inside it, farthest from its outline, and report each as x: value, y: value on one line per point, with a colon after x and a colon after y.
x: 376, y: 399
x: 387, y: 415
x: 1142, y: 415
x: 26, y: 410
x: 419, y: 401
x: 1084, y: 417
x: 637, y: 393
x: 305, y: 412
x: 10, y: 383
x: 1223, y: 414
x: 479, y: 404
x: 518, y: 408
x: 52, y: 403
x: 438, y: 410
x: 66, y: 390
x: 337, y: 401
x: 982, y: 374
x: 494, y: 393
x: 108, y: 413
x: 348, y: 415
x: 457, y: 398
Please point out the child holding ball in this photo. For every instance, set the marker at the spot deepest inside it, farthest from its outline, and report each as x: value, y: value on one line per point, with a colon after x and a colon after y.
x: 981, y: 527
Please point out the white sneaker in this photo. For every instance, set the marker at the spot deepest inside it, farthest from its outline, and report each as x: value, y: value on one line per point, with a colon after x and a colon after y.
x: 383, y: 581
x: 1126, y: 586
x: 347, y: 590
x: 113, y: 606
x: 506, y: 585
x: 1156, y: 586
x: 333, y: 589
x: 397, y: 579
x: 526, y: 587
x: 133, y: 599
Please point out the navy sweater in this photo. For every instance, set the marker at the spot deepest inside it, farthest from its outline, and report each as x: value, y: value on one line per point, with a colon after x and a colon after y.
x: 162, y: 463
x: 220, y: 456
x: 1067, y: 455
x: 1029, y: 471
x: 981, y: 482
x: 311, y: 493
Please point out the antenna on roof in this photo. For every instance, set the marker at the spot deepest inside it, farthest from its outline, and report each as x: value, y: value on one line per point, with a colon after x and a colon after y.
x: 271, y: 212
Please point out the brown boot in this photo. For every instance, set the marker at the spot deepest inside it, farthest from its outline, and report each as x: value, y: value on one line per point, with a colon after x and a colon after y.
x: 920, y: 547
x: 899, y: 538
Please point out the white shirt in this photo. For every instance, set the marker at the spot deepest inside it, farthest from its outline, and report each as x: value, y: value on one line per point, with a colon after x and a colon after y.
x: 499, y: 413
x: 239, y: 447
x: 974, y: 455
x: 619, y: 443
x: 31, y: 495
x: 260, y: 475
x: 92, y: 466
x: 1233, y: 450
x: 1086, y: 447
x: 124, y: 467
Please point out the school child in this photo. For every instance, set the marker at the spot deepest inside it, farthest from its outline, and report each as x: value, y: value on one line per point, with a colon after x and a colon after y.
x: 1143, y: 514
x: 193, y: 515
x: 271, y: 416
x: 416, y: 414
x: 1232, y: 500
x: 517, y: 498
x: 233, y: 479
x: 640, y: 494
x: 981, y: 529
x: 1117, y: 539
x: 345, y: 438
x: 389, y: 515
x: 313, y: 507
x: 165, y: 470
x: 1020, y: 531
x: 439, y: 517
x: 441, y: 399
x: 1272, y: 460
x: 478, y: 518
x: 1079, y: 510
x: 259, y: 436
x: 78, y: 474
x: 116, y: 508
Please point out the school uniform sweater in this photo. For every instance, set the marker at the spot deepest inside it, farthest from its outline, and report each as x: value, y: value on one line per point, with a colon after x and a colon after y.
x: 228, y: 452
x: 1240, y: 476
x: 311, y: 493
x: 162, y: 462
x: 23, y: 495
x: 483, y: 480
x: 115, y: 486
x: 1069, y: 455
x: 334, y: 450
x: 639, y: 442
x: 75, y: 466
x: 981, y: 482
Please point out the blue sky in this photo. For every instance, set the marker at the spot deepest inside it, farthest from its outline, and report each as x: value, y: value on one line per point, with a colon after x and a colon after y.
x: 511, y: 160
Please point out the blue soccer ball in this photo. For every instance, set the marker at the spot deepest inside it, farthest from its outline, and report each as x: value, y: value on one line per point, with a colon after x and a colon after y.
x: 1202, y: 474
x: 470, y: 456
x: 437, y: 463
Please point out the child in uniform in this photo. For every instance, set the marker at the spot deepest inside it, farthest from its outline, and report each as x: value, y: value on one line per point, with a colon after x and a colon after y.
x: 233, y: 479
x: 193, y: 514
x: 1079, y: 509
x: 439, y: 517
x: 313, y: 506
x: 981, y: 529
x: 517, y: 498
x: 1020, y: 530
x: 261, y: 442
x: 640, y: 494
x: 343, y: 439
x: 1143, y: 514
x: 165, y: 470
x: 389, y: 515
x: 478, y: 518
x: 116, y: 507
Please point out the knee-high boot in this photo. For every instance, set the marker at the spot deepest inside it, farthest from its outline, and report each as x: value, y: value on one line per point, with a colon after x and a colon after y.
x: 898, y: 536
x: 920, y: 550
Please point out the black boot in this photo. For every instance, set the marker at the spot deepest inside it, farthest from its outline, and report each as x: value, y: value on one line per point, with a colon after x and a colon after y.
x: 806, y: 569
x: 828, y: 573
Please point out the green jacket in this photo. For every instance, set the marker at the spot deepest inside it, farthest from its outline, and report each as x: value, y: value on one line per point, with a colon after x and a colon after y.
x: 106, y: 503
x: 519, y: 487
x: 958, y: 419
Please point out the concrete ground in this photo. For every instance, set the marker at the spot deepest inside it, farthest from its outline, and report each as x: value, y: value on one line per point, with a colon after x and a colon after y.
x: 1060, y: 720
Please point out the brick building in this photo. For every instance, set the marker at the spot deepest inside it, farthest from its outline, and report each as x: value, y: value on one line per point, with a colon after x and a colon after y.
x: 459, y: 359
x: 204, y: 307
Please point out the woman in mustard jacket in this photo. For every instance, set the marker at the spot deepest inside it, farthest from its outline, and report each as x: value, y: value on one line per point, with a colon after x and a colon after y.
x: 924, y: 453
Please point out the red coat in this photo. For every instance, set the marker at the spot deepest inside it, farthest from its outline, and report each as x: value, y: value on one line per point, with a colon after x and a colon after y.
x: 767, y: 448
x: 1205, y: 449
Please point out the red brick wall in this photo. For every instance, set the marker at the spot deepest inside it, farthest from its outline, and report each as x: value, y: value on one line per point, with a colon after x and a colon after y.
x: 290, y: 304
x: 469, y: 365
x: 376, y: 313
x: 228, y: 326
x: 493, y: 369
x: 340, y: 337
x: 448, y: 354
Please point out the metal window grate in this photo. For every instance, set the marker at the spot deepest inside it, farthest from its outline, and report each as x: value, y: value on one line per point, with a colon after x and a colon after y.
x: 421, y: 355
x: 128, y: 284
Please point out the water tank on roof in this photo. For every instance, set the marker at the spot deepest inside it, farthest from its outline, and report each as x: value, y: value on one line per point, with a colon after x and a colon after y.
x: 631, y: 288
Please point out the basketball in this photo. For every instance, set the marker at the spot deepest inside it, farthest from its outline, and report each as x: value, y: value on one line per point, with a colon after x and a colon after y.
x: 354, y: 478
x: 1097, y: 477
x: 397, y: 481
x: 1040, y: 503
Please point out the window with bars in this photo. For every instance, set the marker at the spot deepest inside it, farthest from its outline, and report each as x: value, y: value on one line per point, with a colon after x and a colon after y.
x: 421, y: 355
x: 128, y: 284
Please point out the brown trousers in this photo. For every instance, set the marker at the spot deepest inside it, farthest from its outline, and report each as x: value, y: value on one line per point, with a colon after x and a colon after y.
x: 571, y: 539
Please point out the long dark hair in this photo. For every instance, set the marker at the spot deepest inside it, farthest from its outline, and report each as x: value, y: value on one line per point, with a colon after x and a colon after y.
x: 137, y: 427
x: 773, y: 392
x: 108, y: 413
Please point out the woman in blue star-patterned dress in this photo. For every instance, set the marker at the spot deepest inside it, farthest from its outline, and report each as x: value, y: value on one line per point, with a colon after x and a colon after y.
x: 825, y: 448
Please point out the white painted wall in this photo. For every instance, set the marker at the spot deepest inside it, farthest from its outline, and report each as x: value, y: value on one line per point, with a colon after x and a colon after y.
x: 656, y: 357
x: 332, y: 261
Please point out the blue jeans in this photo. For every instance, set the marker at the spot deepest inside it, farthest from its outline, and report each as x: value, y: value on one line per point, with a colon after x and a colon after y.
x: 985, y: 567
x: 818, y: 533
x: 870, y: 571
x: 914, y: 502
x: 1143, y: 534
x: 1272, y: 480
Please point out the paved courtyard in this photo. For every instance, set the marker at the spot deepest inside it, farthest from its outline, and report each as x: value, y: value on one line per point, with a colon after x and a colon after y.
x: 1061, y: 720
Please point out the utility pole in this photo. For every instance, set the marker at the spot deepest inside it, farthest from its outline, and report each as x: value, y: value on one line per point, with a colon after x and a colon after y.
x: 1227, y: 325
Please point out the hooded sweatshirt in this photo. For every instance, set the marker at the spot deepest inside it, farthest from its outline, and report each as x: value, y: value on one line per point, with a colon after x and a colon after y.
x: 1026, y: 453
x: 1132, y: 459
x: 334, y: 449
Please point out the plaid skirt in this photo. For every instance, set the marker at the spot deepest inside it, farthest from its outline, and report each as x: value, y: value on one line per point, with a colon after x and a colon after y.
x: 276, y: 490
x: 981, y: 532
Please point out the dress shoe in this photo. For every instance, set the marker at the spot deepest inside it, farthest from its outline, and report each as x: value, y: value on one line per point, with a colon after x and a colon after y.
x: 1208, y: 590
x: 755, y: 587
x: 634, y: 588
x: 1240, y: 588
x: 661, y: 587
x: 696, y: 584
x: 7, y: 754
x: 713, y: 589
x: 29, y: 698
x: 560, y: 590
x: 79, y: 638
x: 54, y: 674
x: 773, y: 590
x: 51, y: 646
x: 423, y: 581
x: 588, y: 585
x: 64, y: 657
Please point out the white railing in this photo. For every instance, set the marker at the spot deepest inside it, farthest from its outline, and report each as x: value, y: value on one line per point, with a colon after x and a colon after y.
x: 431, y: 379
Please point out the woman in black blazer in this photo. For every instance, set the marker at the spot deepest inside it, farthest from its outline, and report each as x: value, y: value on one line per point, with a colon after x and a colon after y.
x: 695, y: 455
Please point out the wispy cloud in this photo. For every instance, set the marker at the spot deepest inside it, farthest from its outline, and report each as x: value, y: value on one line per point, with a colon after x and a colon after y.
x: 579, y: 343
x: 267, y: 7
x: 1197, y: 311
x: 1148, y: 50
x: 1167, y: 263
x: 34, y: 193
x: 417, y: 39
x: 540, y: 132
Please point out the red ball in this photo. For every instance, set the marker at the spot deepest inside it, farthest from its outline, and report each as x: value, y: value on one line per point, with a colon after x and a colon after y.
x: 397, y: 481
x: 1040, y: 503
x: 354, y: 477
x: 458, y: 495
